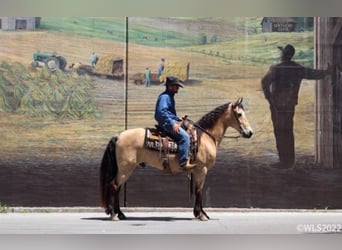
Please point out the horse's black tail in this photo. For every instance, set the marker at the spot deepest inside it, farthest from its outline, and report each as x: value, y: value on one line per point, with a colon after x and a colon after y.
x: 108, y: 171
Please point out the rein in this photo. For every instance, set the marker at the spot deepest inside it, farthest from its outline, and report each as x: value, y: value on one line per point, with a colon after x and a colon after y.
x: 214, y: 138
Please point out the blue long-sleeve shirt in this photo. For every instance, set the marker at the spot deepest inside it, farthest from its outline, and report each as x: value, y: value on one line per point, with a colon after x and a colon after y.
x: 165, y: 111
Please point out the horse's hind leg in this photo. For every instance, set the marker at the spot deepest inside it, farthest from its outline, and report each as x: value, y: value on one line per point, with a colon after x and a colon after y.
x: 120, y: 215
x: 113, y: 208
x: 110, y: 198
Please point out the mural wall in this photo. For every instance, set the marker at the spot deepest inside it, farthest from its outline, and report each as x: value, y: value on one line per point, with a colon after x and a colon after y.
x: 59, y: 108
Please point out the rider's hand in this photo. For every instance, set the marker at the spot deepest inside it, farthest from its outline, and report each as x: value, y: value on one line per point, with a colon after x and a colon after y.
x: 176, y: 128
x: 183, y: 118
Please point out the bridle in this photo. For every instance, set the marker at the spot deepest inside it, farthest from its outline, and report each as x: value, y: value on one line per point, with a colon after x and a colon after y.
x: 237, y: 118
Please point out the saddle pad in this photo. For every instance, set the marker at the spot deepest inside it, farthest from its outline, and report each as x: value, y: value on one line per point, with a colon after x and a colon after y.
x: 159, y: 141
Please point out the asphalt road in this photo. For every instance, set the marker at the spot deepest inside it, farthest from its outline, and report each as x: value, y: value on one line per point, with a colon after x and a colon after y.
x: 179, y: 221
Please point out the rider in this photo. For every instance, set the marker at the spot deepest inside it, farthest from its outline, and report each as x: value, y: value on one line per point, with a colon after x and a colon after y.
x: 167, y: 118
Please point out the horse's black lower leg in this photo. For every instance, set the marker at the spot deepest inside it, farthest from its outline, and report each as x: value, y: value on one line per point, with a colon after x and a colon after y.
x: 198, y: 209
x: 110, y: 199
x: 117, y: 210
x: 113, y: 205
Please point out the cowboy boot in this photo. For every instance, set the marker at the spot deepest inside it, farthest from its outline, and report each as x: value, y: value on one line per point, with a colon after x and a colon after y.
x: 188, y: 165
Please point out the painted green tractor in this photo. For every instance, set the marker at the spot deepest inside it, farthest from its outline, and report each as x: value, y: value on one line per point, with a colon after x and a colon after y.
x: 51, y: 61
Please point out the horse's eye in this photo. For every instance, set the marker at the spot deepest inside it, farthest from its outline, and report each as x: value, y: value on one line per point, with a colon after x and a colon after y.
x: 239, y: 115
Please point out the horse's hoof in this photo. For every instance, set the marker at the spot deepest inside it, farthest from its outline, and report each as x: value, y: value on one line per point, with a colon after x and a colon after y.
x: 114, y: 217
x: 121, y: 216
x: 203, y: 217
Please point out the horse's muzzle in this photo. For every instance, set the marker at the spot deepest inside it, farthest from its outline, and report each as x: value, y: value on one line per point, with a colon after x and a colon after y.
x: 246, y: 133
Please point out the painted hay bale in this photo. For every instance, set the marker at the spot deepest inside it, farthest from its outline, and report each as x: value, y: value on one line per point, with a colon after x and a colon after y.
x: 179, y: 69
x: 108, y: 65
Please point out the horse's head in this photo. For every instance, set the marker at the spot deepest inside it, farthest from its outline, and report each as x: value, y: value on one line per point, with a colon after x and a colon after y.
x: 227, y: 115
x: 239, y: 119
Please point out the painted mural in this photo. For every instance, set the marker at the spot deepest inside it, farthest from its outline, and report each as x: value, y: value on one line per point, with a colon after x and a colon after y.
x: 70, y: 84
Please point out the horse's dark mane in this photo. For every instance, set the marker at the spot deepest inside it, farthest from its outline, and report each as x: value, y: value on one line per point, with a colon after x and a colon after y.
x: 208, y: 120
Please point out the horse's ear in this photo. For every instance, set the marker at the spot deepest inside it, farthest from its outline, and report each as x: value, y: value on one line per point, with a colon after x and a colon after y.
x: 238, y: 102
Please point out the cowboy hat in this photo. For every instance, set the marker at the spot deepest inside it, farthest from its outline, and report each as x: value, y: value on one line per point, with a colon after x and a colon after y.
x: 288, y: 50
x: 173, y: 80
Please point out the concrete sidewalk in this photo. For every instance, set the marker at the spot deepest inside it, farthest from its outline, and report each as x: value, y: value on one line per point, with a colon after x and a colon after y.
x: 156, y: 209
x: 168, y: 221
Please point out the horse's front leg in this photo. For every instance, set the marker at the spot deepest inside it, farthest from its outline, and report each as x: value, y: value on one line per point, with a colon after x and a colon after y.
x: 199, y: 180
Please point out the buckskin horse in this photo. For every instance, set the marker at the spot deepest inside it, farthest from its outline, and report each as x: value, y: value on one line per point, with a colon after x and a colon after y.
x: 126, y: 151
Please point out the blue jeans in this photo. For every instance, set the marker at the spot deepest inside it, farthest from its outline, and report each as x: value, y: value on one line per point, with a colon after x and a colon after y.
x: 183, y: 141
x: 148, y: 81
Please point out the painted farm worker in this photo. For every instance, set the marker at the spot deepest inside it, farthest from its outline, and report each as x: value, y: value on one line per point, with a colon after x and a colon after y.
x: 167, y: 118
x: 161, y: 66
x: 147, y: 77
x: 94, y: 59
x: 281, y: 86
